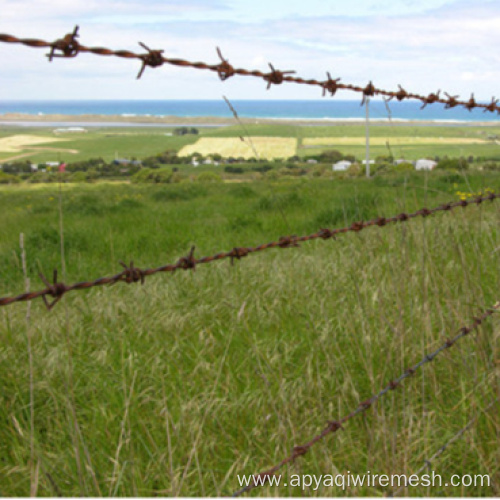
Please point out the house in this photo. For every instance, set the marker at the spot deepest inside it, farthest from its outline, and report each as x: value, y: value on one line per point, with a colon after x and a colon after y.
x: 34, y: 167
x: 312, y: 161
x: 424, y: 164
x: 341, y: 166
x: 400, y: 161
x: 70, y: 130
x: 371, y: 162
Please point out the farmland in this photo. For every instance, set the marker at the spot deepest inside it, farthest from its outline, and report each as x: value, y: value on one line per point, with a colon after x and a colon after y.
x: 266, y: 147
x: 177, y: 386
x: 411, y: 142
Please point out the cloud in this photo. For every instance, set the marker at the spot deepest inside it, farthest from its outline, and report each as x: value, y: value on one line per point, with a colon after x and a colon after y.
x: 445, y: 47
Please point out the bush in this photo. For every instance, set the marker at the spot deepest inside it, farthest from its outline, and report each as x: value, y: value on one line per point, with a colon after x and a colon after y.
x: 8, y: 179
x: 403, y: 167
x: 148, y: 175
x: 78, y: 177
x: 40, y: 177
x: 452, y: 164
x: 492, y: 166
x: 355, y: 170
x: 331, y: 156
x: 209, y: 177
x: 233, y: 170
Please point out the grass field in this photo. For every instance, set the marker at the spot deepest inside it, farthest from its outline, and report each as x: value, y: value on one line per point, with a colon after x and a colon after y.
x: 177, y: 386
x: 381, y: 141
x: 410, y: 142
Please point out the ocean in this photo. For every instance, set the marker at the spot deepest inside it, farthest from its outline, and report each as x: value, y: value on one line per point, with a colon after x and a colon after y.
x: 325, y: 109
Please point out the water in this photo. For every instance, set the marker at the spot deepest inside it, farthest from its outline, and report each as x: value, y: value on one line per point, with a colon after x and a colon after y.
x: 325, y: 109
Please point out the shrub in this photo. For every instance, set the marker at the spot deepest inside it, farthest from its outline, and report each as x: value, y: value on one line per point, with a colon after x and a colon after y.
x: 209, y: 177
x: 492, y: 166
x: 355, y: 170
x: 78, y: 177
x: 452, y: 164
x: 403, y: 167
x: 148, y: 175
x: 8, y: 179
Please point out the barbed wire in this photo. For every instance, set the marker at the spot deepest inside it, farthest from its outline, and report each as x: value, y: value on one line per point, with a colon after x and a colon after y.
x: 69, y: 47
x: 132, y: 274
x: 333, y: 426
x: 442, y: 449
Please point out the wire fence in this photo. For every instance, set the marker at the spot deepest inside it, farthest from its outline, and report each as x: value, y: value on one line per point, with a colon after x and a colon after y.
x: 132, y: 274
x: 442, y: 449
x: 333, y: 426
x: 70, y: 47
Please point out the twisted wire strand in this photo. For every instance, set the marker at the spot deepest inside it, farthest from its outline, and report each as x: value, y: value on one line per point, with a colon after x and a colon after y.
x: 333, y: 426
x: 132, y: 274
x: 69, y: 47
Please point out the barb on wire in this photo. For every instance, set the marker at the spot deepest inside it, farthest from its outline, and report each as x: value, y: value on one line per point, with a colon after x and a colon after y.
x: 275, y: 76
x: 330, y: 85
x: 224, y: 69
x: 133, y: 275
x: 332, y: 427
x: 56, y: 290
x: 443, y: 448
x: 69, y: 47
x: 153, y: 59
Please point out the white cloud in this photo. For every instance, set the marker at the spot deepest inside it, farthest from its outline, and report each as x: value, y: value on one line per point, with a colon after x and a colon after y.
x: 448, y: 48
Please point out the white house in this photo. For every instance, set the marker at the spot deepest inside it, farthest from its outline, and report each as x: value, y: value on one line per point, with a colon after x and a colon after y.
x: 34, y: 167
x: 341, y: 166
x: 424, y: 164
x: 70, y: 130
x: 312, y: 161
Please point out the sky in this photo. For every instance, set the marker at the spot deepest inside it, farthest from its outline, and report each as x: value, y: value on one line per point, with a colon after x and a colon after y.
x: 424, y: 45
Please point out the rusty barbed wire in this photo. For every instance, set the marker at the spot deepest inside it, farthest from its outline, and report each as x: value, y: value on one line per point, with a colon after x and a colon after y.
x: 131, y: 274
x: 69, y: 47
x: 333, y: 426
x: 442, y: 449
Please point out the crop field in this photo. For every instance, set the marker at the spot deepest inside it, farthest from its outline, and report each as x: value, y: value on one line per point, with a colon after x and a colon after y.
x: 280, y: 140
x: 176, y: 386
x: 381, y: 141
x: 267, y: 147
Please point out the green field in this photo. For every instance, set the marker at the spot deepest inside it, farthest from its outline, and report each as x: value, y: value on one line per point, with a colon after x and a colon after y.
x: 139, y: 142
x: 176, y: 386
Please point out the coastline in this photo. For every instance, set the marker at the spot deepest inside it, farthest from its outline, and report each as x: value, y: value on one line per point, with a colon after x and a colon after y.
x: 94, y: 120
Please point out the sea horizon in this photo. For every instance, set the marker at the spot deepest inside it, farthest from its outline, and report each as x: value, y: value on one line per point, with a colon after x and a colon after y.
x: 279, y: 109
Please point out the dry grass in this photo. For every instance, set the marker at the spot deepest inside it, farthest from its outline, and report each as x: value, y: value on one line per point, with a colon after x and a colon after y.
x: 16, y: 143
x: 268, y: 147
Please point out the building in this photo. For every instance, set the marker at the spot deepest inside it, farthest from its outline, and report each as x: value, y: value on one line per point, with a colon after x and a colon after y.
x: 312, y: 161
x: 424, y: 164
x: 341, y: 166
x: 69, y: 130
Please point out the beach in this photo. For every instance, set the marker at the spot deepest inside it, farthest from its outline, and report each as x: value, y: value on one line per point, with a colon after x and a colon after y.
x: 97, y: 120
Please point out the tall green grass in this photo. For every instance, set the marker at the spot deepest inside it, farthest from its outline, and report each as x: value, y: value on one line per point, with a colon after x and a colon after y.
x: 177, y: 386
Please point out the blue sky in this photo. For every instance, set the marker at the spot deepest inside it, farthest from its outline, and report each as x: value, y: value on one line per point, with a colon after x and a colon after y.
x: 425, y: 45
